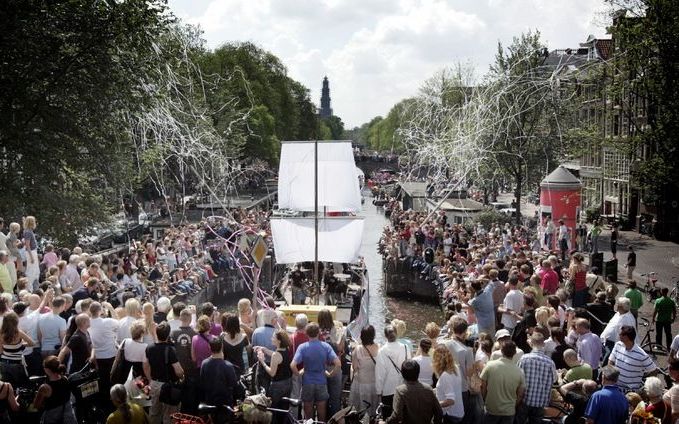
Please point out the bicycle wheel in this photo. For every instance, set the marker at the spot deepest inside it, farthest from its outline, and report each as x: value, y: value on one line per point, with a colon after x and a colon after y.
x: 654, y: 349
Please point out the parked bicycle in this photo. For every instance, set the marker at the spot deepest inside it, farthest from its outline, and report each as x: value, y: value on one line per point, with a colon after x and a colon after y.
x: 674, y: 293
x: 652, y: 292
x: 647, y: 344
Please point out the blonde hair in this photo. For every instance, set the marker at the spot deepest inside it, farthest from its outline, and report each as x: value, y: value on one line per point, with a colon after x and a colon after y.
x: 244, y: 305
x: 432, y: 330
x: 30, y: 223
x: 132, y: 308
x: 443, y: 361
x: 542, y: 315
x: 14, y: 227
x: 399, y: 326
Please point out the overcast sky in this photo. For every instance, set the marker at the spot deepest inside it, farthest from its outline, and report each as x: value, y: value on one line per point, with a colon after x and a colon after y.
x: 377, y: 52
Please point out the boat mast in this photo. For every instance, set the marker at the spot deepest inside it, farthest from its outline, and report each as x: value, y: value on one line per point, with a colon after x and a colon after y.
x: 317, y: 281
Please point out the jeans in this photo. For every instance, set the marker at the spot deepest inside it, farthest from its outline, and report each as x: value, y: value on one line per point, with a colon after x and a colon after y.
x: 529, y: 414
x: 498, y: 419
x: 659, y: 327
x: 335, y: 393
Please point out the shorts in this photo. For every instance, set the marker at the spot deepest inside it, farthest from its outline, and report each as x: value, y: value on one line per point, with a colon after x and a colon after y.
x: 315, y: 393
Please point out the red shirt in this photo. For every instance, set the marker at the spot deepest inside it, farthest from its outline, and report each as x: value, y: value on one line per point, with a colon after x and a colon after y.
x: 550, y: 281
x: 297, y: 339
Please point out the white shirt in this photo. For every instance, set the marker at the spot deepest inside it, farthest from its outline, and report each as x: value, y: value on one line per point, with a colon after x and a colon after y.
x: 73, y: 278
x: 28, y: 323
x: 514, y: 301
x: 449, y: 386
x: 387, y: 375
x: 426, y: 371
x: 135, y: 351
x: 612, y: 330
x: 563, y: 232
x: 124, y: 328
x: 497, y: 354
x: 103, y: 333
x: 174, y: 324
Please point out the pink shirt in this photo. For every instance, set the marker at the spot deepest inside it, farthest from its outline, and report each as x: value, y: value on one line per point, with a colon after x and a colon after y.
x: 50, y: 259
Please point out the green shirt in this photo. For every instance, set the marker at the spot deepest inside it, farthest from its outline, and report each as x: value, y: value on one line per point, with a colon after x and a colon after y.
x: 503, y: 378
x: 576, y: 373
x: 635, y: 298
x: 664, y: 308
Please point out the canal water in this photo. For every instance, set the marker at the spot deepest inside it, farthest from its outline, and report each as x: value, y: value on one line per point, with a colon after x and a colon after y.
x: 382, y: 308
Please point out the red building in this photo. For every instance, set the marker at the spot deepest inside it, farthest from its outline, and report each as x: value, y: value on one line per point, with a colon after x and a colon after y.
x: 560, y: 199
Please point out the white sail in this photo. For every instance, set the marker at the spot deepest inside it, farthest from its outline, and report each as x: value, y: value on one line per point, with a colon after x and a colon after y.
x: 339, y: 239
x: 338, y: 188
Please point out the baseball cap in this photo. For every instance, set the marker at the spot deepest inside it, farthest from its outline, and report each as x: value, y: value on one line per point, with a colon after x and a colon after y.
x: 502, y: 333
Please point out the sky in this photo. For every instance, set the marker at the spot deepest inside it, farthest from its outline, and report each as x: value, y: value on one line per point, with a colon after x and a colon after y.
x: 378, y: 52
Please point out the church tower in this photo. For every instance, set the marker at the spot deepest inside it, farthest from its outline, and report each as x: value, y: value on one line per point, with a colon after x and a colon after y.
x: 326, y: 110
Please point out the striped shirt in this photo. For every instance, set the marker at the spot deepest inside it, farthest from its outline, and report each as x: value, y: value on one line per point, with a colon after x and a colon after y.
x: 13, y: 351
x: 633, y: 364
x: 540, y: 373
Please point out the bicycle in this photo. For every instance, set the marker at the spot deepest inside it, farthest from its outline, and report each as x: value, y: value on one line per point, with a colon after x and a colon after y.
x: 652, y: 292
x: 647, y: 345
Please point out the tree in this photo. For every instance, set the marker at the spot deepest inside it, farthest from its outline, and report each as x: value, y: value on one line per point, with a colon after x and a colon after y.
x: 336, y: 126
x: 524, y: 141
x: 69, y: 69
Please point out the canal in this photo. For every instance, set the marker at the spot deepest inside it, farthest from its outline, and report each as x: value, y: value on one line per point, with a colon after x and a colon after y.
x: 382, y: 308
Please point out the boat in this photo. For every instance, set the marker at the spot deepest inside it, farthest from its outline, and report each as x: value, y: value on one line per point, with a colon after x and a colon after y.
x: 318, y: 187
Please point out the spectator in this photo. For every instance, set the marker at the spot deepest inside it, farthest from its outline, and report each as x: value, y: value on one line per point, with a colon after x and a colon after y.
x: 135, y: 353
x: 182, y: 343
x: 482, y: 305
x: 208, y: 310
x: 126, y: 412
x: 465, y: 359
x: 200, y: 344
x: 608, y: 405
x: 631, y: 360
x: 279, y: 370
x: 550, y: 279
x: 577, y: 394
x: 218, y: 381
x: 540, y: 374
x: 588, y: 345
x: 664, y: 314
x: 28, y: 323
x: 401, y: 328
x: 78, y: 347
x: 502, y: 337
x: 103, y: 333
x: 576, y: 370
x: 602, y: 311
x: 54, y: 396
x: 423, y: 359
x: 262, y: 338
x: 298, y: 338
x: 654, y: 389
x: 132, y: 314
x: 315, y: 354
x: 622, y: 317
x: 413, y: 401
x: 52, y: 327
x: 512, y: 305
x: 235, y: 343
x: 635, y: 297
x: 363, y: 367
x: 671, y: 397
x: 387, y: 369
x: 12, y: 342
x: 448, y: 386
x: 163, y: 367
x: 245, y: 316
x: 631, y: 263
x: 503, y: 385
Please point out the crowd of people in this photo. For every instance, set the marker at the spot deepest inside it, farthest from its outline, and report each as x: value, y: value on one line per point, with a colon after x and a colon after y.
x: 526, y: 329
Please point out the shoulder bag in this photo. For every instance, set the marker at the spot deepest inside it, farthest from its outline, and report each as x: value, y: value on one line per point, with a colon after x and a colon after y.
x: 121, y: 367
x: 170, y: 392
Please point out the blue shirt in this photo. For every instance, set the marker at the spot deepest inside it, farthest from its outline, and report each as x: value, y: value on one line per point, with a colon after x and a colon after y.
x: 608, y: 406
x: 218, y: 381
x: 314, y: 354
x: 484, y: 308
x: 262, y: 337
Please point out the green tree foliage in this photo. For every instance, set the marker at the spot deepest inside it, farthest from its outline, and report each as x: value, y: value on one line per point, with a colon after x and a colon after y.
x: 275, y: 97
x: 381, y: 133
x: 68, y: 69
x: 335, y: 125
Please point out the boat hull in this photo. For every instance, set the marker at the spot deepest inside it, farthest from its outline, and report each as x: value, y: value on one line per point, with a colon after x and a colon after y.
x: 402, y: 281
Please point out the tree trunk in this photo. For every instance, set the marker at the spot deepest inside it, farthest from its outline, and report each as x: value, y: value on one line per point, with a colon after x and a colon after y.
x: 518, y: 178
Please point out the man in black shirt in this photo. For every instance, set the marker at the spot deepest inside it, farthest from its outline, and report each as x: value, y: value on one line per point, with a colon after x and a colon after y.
x: 163, y: 366
x: 577, y: 394
x: 298, y: 295
x: 89, y: 290
x: 602, y: 310
x: 182, y: 344
x: 218, y: 381
x: 78, y: 346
